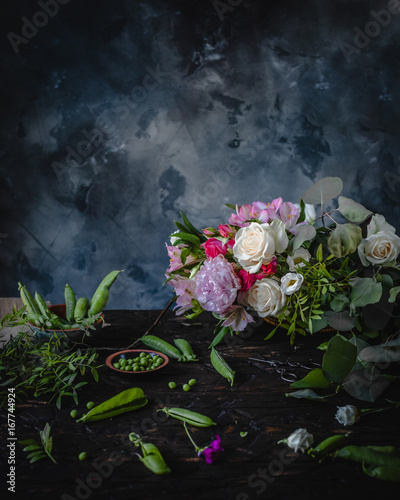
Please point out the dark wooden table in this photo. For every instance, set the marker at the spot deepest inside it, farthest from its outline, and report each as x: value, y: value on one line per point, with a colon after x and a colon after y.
x: 251, y: 467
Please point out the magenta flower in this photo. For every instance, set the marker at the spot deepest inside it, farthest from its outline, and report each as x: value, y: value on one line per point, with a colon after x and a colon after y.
x: 226, y: 231
x: 212, y: 450
x: 267, y: 269
x: 217, y: 284
x: 214, y: 247
x: 247, y: 278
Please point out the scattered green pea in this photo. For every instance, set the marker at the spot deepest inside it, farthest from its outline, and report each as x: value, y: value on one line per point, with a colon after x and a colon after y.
x: 172, y: 385
x: 192, y: 382
x: 83, y: 455
x: 74, y: 413
x: 90, y: 405
x: 243, y: 434
x: 186, y: 387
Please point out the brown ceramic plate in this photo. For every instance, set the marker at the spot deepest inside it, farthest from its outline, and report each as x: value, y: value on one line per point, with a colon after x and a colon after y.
x: 132, y: 353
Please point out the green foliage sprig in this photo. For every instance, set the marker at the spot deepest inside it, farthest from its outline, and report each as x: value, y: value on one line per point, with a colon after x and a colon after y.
x: 36, y: 451
x: 44, y: 368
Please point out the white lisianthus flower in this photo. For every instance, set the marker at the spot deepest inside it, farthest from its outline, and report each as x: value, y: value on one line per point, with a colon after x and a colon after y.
x: 309, y: 211
x: 265, y: 297
x: 300, y: 440
x: 381, y: 246
x: 291, y: 282
x: 347, y: 415
x: 300, y: 253
x: 257, y: 244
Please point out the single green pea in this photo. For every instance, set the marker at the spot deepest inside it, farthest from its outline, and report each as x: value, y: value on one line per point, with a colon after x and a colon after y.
x: 192, y: 382
x: 142, y: 355
x: 74, y: 413
x: 90, y: 405
x: 186, y: 387
x: 83, y: 455
x: 143, y: 361
x: 116, y: 365
x: 122, y: 362
x: 172, y: 385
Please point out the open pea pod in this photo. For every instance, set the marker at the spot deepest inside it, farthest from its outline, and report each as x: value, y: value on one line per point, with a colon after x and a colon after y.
x: 125, y: 401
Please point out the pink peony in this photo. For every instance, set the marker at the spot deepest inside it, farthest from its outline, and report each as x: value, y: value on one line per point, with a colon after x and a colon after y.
x: 216, y: 284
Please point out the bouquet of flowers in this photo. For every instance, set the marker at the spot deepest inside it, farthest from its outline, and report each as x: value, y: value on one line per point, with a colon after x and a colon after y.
x: 301, y: 271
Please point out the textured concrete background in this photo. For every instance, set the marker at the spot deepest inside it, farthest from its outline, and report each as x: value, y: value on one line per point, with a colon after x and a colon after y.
x: 115, y: 115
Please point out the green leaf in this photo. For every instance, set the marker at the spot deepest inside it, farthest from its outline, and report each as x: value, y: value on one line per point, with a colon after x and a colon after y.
x: 190, y: 238
x: 304, y: 233
x: 95, y: 374
x: 344, y: 239
x: 191, y: 228
x: 338, y: 359
x: 365, y: 385
x: 319, y: 254
x: 302, y: 216
x: 365, y: 291
x: 339, y: 302
x: 388, y: 352
x: 353, y: 211
x: 324, y: 190
x: 393, y: 293
x: 219, y: 337
x: 306, y: 394
x: 313, y: 380
x: 341, y: 321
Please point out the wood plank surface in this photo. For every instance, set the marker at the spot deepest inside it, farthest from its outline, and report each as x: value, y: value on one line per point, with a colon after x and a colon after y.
x: 251, y: 467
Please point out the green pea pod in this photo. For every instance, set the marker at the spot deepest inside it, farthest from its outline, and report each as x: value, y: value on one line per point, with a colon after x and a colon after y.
x: 186, y: 350
x: 190, y: 417
x: 43, y: 307
x: 388, y: 450
x: 80, y: 308
x: 221, y: 365
x: 368, y: 455
x: 70, y: 302
x: 327, y: 446
x: 128, y: 400
x: 36, y: 319
x: 27, y: 299
x: 162, y: 346
x: 386, y: 473
x: 100, y: 297
x: 153, y: 459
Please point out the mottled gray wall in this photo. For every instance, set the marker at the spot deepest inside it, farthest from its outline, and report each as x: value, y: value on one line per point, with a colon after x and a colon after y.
x: 189, y: 105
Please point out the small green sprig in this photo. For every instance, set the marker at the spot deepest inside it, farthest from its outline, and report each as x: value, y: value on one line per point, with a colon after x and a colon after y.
x: 36, y: 451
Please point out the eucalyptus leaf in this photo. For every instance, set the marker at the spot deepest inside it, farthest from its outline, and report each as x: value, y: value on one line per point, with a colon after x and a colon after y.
x: 393, y: 293
x: 366, y: 385
x: 305, y: 232
x: 353, y: 211
x: 340, y: 320
x: 344, y: 239
x: 338, y: 359
x: 315, y: 379
x: 365, y: 291
x: 306, y: 394
x: 339, y: 302
x: 128, y: 400
x: 324, y: 190
x: 388, y: 352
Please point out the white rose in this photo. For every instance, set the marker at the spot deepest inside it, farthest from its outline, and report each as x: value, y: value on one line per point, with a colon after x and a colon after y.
x: 300, y: 253
x: 265, y: 297
x: 382, y: 245
x: 309, y: 211
x: 291, y: 282
x: 347, y: 415
x: 300, y: 439
x: 257, y: 244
